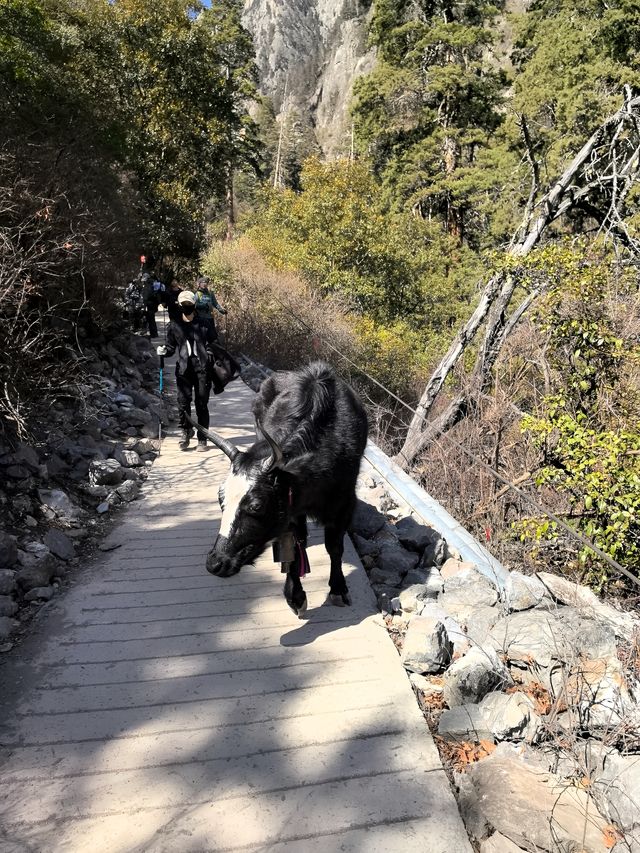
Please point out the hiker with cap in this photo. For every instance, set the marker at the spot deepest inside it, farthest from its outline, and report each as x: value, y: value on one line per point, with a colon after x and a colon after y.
x: 206, y: 300
x: 192, y: 339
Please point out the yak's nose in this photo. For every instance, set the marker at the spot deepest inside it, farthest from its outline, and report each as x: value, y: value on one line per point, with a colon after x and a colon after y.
x: 218, y: 563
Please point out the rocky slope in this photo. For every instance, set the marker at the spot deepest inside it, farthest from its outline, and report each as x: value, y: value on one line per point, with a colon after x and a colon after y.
x: 317, y: 48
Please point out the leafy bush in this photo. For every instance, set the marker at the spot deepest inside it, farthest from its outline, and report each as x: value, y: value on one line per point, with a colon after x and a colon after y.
x: 588, y: 429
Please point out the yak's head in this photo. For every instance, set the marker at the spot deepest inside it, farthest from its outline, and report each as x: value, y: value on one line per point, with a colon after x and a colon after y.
x: 254, y: 505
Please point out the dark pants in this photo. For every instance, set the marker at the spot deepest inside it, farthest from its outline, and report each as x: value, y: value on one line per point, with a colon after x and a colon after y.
x: 135, y: 318
x: 151, y: 320
x: 195, y: 382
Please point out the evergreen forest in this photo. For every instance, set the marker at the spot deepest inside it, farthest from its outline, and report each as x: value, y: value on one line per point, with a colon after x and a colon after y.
x: 473, y: 249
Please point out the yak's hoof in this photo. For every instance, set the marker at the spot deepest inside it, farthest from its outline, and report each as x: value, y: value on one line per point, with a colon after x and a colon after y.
x: 297, y: 600
x: 340, y: 599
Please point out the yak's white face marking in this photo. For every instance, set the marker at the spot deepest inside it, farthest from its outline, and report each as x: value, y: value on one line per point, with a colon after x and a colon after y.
x: 235, y: 488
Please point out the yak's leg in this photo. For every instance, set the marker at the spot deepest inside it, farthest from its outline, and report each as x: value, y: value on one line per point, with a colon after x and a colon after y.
x: 293, y: 592
x: 334, y: 543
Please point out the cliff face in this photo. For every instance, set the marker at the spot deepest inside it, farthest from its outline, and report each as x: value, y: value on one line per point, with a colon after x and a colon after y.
x: 318, y: 48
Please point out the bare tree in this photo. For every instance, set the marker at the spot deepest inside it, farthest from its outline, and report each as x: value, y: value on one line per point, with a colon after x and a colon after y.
x: 596, y: 182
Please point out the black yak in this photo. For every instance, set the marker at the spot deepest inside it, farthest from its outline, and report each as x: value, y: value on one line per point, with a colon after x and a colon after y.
x: 312, y: 433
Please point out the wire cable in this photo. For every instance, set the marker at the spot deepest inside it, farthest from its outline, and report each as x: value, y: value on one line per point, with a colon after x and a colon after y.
x: 522, y: 494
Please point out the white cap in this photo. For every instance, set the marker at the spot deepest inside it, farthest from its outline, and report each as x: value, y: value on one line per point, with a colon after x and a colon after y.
x: 186, y: 296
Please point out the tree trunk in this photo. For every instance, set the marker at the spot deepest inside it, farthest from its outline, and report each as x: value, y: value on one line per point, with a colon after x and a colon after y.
x: 230, y: 201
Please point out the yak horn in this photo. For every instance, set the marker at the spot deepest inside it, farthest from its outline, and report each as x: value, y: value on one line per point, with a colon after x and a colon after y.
x: 221, y: 443
x: 277, y: 456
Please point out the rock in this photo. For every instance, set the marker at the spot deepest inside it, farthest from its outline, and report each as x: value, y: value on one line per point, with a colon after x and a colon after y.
x: 103, y: 507
x: 364, y: 547
x: 454, y: 567
x: 17, y: 472
x: 37, y: 548
x: 146, y: 445
x: 105, y: 472
x: 415, y: 536
x: 366, y: 520
x: 96, y: 492
x: 26, y: 455
x: 127, y: 458
x: 434, y: 554
x: 426, y: 646
x: 617, y: 789
x: 7, y: 606
x: 455, y: 632
x: 522, y: 592
x: 533, y: 808
x: 477, y: 673
x: 499, y: 843
x: 470, y: 811
x: 40, y: 593
x: 412, y: 595
x: 419, y: 576
x: 30, y: 522
x: 384, y: 594
x: 38, y: 574
x: 8, y: 551
x: 59, y: 544
x: 394, y: 558
x: 527, y: 636
x: 542, y: 637
x: 420, y: 682
x: 128, y: 491
x: 59, y: 503
x: 510, y: 716
x: 464, y: 723
x: 123, y: 400
x: 387, y: 535
x: 7, y: 625
x: 135, y: 417
x: 431, y: 580
x: 470, y: 588
x: 8, y: 581
x: 597, y: 690
x: 588, y: 604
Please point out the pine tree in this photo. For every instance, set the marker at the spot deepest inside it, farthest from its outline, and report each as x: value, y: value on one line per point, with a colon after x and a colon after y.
x: 430, y: 107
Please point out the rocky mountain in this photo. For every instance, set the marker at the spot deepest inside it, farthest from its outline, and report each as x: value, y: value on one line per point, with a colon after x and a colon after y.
x: 316, y: 49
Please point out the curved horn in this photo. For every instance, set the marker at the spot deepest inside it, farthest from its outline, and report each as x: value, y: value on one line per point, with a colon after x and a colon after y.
x: 221, y: 443
x: 276, y: 457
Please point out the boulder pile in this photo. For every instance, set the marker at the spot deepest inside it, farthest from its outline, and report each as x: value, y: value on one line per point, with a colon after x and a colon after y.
x: 530, y: 686
x: 91, y: 455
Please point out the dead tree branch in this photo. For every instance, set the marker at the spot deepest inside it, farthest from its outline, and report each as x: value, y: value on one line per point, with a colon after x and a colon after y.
x: 599, y: 177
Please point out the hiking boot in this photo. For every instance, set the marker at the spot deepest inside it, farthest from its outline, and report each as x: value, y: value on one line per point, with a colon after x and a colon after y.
x: 185, y: 438
x: 202, y: 444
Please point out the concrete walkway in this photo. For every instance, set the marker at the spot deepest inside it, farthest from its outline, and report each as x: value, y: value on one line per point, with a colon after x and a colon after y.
x: 157, y: 708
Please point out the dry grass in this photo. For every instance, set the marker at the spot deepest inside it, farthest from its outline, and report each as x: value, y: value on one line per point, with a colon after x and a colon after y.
x: 261, y: 303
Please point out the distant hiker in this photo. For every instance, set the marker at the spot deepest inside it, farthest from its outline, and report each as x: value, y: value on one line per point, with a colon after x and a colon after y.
x: 193, y: 338
x: 134, y: 304
x: 206, y: 300
x: 153, y: 292
x: 171, y: 300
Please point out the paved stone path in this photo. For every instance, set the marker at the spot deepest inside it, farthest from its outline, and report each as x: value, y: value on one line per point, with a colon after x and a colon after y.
x: 157, y: 708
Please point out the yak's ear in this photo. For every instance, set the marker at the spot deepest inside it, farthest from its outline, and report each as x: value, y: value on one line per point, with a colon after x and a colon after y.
x: 276, y: 458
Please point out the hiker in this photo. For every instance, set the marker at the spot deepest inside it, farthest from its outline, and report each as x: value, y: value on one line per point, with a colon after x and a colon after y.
x: 193, y: 339
x: 134, y: 304
x: 171, y: 300
x: 206, y: 300
x: 153, y: 292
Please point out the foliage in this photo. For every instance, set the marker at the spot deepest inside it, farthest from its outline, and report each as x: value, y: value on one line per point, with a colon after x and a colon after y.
x: 427, y: 113
x: 588, y: 428
x: 572, y: 59
x: 337, y: 234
